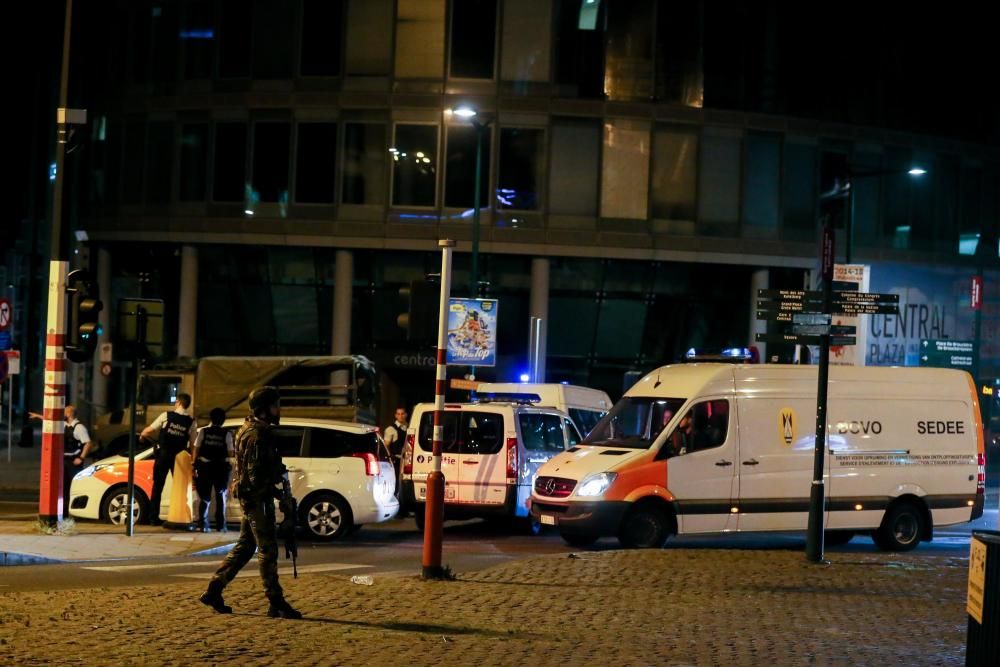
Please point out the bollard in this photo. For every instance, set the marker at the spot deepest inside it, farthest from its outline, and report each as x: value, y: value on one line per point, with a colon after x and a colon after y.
x: 983, y: 604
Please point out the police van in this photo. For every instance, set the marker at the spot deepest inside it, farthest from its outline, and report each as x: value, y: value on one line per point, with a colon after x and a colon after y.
x: 585, y: 406
x: 491, y: 451
x: 713, y: 448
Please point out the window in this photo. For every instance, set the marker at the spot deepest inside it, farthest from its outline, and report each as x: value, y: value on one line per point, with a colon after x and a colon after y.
x: 198, y: 37
x: 414, y: 155
x: 519, y: 180
x: 419, y: 39
x: 322, y: 32
x: 460, y: 174
x: 675, y: 176
x: 866, y: 195
x: 719, y: 177
x: 273, y: 26
x: 163, y: 42
x: 798, y: 185
x: 465, y: 432
x: 315, y: 156
x: 194, y: 157
x: 135, y: 158
x: 702, y: 427
x: 586, y: 420
x: 369, y: 37
x: 159, y: 161
x: 527, y: 35
x: 473, y: 38
x: 328, y: 443
x: 572, y: 435
x: 270, y: 161
x: 574, y: 170
x: 160, y: 390
x: 634, y: 422
x: 625, y: 169
x: 288, y: 440
x: 761, y: 180
x: 580, y: 48
x: 234, y: 39
x: 230, y: 162
x: 628, y: 68
x: 542, y: 433
x: 364, y: 163
x: 678, y: 53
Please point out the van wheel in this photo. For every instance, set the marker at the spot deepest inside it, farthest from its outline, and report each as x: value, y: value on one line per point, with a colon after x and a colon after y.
x: 578, y: 540
x: 326, y: 517
x: 837, y: 538
x: 644, y: 528
x: 419, y: 517
x: 901, y: 528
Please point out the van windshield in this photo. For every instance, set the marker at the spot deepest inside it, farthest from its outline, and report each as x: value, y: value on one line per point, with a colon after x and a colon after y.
x: 634, y: 422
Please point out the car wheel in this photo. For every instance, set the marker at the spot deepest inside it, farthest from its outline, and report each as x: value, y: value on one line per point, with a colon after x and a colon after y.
x: 580, y: 541
x: 901, y: 528
x: 113, y: 509
x: 326, y: 517
x: 837, y: 538
x: 644, y: 528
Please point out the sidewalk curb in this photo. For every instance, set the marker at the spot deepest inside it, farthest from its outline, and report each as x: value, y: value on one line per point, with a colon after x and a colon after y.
x: 213, y: 551
x: 9, y: 558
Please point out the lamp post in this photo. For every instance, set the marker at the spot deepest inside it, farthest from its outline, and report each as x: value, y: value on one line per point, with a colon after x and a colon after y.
x: 481, y: 126
x: 847, y: 189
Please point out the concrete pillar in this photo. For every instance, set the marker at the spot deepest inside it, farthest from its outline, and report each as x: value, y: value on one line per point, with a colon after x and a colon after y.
x: 539, y: 307
x: 758, y: 280
x: 187, y: 309
x: 99, y: 383
x: 343, y: 283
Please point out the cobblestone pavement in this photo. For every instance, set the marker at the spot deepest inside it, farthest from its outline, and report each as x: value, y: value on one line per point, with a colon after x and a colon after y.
x: 672, y: 607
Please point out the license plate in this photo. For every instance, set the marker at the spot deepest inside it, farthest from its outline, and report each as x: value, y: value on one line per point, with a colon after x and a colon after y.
x: 547, y: 520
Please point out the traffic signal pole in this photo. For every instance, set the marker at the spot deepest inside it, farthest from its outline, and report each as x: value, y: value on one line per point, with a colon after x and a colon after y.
x: 50, y: 493
x: 434, y: 503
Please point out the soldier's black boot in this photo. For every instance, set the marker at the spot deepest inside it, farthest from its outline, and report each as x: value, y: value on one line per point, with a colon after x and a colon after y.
x: 213, y: 597
x: 281, y: 609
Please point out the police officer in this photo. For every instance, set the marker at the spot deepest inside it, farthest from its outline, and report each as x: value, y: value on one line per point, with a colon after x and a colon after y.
x: 212, y: 447
x: 394, y: 437
x: 177, y: 430
x: 76, y: 447
x: 256, y: 479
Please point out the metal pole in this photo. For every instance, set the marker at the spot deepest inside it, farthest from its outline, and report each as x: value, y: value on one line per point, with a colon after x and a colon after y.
x: 434, y: 509
x: 10, y: 414
x: 50, y: 491
x: 817, y: 494
x: 474, y: 284
x: 849, y: 223
x: 140, y: 331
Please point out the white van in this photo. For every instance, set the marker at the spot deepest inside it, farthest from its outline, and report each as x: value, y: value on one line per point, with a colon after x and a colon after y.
x: 490, y: 455
x: 585, y: 406
x: 711, y: 448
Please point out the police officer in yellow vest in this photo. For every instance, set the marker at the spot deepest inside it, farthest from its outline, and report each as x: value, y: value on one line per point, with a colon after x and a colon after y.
x: 177, y: 431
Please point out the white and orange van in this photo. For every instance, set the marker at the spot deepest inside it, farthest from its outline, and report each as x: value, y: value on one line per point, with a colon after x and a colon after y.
x: 712, y: 448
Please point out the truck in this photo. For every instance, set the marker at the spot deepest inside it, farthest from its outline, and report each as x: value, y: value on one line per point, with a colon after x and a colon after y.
x: 316, y: 387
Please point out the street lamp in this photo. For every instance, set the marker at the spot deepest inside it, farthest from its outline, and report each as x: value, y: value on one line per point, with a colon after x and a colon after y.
x: 847, y: 190
x: 481, y: 126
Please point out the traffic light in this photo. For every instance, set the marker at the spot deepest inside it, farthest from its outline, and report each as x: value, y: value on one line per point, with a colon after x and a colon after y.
x: 83, y: 329
x: 420, y: 319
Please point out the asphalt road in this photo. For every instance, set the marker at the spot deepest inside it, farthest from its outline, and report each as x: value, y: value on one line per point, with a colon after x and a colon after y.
x: 394, y: 549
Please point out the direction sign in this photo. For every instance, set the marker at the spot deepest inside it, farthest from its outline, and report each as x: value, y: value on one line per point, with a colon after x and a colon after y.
x: 824, y: 329
x: 803, y: 339
x: 852, y: 296
x: 6, y: 314
x: 947, y: 353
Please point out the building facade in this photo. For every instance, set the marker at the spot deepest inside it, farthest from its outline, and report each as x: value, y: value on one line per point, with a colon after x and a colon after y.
x: 277, y: 170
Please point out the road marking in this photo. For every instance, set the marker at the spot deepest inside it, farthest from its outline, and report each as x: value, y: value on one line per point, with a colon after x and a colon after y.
x: 247, y: 572
x: 150, y: 566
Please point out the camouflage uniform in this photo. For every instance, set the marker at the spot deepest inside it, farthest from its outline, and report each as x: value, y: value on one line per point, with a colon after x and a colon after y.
x: 258, y: 470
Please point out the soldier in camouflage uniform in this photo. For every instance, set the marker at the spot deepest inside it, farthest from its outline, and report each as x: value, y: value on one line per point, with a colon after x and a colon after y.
x: 256, y: 481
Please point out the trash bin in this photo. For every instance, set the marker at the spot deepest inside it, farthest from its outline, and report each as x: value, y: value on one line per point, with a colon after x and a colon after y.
x: 983, y: 602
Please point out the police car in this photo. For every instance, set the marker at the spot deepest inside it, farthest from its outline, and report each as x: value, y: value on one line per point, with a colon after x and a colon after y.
x: 341, y: 475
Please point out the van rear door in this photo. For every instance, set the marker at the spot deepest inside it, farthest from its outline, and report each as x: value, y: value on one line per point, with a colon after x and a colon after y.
x: 423, y: 455
x: 482, y: 458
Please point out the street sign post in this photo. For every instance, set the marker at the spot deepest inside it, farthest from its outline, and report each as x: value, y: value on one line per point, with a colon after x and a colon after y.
x: 948, y: 354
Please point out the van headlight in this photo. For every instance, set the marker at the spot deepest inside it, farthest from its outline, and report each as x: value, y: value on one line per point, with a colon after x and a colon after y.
x: 596, y: 484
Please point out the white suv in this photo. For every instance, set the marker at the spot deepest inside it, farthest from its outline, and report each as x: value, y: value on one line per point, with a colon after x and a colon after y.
x: 490, y: 455
x: 341, y: 475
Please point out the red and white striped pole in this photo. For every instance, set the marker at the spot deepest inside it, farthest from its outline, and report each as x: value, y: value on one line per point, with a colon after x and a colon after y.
x: 434, y: 506
x: 50, y: 491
